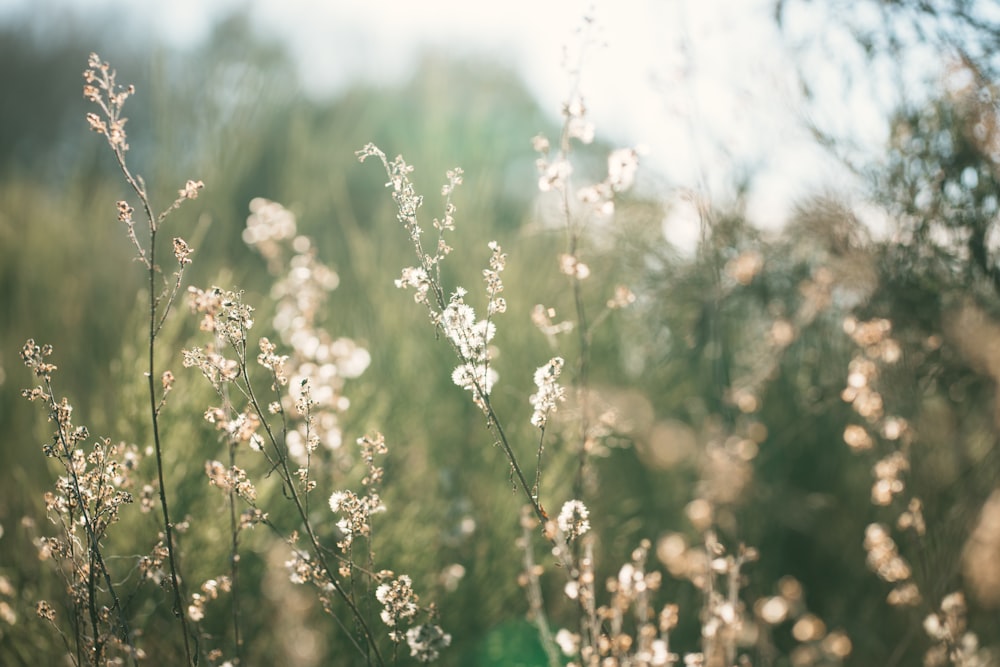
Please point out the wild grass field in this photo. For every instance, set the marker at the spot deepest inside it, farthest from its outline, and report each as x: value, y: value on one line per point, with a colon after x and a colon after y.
x: 273, y: 395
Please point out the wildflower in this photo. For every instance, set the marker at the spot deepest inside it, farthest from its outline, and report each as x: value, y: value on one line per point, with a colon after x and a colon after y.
x: 232, y: 479
x: 417, y: 279
x: 471, y: 340
x: 573, y: 519
x: 370, y: 447
x: 45, y: 610
x: 399, y: 602
x: 426, y: 641
x: 494, y: 285
x: 96, y: 124
x: 182, y: 251
x: 190, y: 189
x: 271, y: 361
x: 550, y: 393
x: 356, y: 514
x: 300, y: 569
x: 454, y: 177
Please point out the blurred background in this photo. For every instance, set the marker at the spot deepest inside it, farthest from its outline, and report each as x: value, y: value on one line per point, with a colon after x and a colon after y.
x: 804, y: 162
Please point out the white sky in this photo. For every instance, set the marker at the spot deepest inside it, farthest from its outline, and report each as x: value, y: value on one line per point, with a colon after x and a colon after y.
x: 707, y: 86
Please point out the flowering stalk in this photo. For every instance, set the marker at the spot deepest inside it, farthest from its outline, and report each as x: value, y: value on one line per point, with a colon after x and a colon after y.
x: 92, y: 494
x: 469, y: 338
x: 102, y: 89
x: 230, y: 320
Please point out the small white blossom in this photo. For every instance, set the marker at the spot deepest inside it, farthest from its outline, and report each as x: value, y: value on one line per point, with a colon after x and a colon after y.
x: 399, y: 602
x: 573, y: 519
x: 550, y: 393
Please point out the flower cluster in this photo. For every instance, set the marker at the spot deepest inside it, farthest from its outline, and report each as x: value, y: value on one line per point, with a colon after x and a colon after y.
x: 555, y: 170
x: 550, y: 393
x: 102, y: 90
x: 316, y: 359
x: 238, y: 427
x: 232, y: 479
x: 399, y: 602
x: 356, y: 512
x: 415, y: 277
x: 406, y: 197
x: 457, y: 319
x: 224, y: 312
x: 574, y: 519
x: 86, y: 501
x: 210, y: 590
x: 372, y: 446
x: 471, y: 338
x: 216, y: 368
x: 302, y: 569
x: 494, y: 285
x: 426, y: 641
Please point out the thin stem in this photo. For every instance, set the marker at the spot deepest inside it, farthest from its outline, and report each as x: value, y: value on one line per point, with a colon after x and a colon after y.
x: 93, y: 543
x: 288, y: 478
x: 148, y: 256
x: 234, y: 560
x: 535, y: 599
x: 538, y: 462
x: 168, y: 528
x: 583, y: 365
x: 494, y: 423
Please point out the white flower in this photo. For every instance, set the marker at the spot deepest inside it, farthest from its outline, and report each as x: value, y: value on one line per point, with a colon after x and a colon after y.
x: 398, y: 600
x: 622, y: 166
x: 573, y: 519
x: 550, y: 393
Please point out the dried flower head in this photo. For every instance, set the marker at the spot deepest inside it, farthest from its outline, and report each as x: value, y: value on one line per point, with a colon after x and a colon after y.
x: 182, y: 251
x: 399, y: 602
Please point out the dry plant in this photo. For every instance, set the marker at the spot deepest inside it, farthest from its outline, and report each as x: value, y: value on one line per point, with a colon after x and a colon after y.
x: 632, y: 627
x: 281, y: 426
x: 277, y: 411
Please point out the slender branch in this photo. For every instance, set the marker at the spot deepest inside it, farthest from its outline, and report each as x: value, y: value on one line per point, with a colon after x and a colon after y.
x: 288, y: 478
x: 148, y: 256
x: 234, y: 563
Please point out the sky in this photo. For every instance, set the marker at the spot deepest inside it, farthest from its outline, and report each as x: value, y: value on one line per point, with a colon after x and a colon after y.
x: 708, y: 88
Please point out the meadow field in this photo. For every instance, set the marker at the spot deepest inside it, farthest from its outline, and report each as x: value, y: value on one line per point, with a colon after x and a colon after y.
x: 417, y: 374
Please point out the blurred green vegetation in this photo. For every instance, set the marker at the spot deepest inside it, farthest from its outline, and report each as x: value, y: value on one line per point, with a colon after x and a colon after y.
x: 690, y: 366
